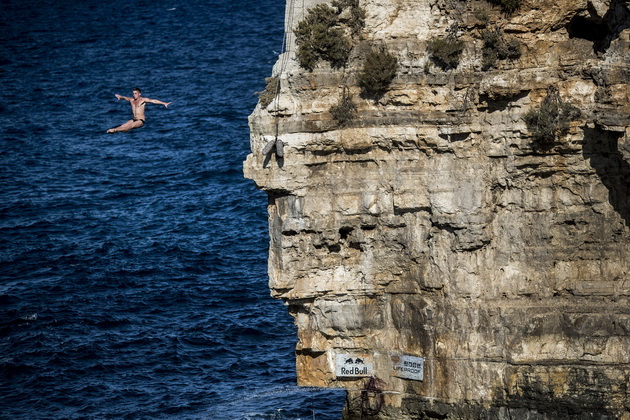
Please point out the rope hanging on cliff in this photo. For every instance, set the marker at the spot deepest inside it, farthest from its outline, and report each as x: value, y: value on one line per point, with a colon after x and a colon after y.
x: 288, y: 27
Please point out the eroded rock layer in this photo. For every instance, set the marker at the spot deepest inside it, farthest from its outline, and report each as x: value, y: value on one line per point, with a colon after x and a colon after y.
x: 433, y: 225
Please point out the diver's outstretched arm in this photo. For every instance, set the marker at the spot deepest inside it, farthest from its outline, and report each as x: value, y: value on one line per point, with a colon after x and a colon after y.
x: 155, y: 101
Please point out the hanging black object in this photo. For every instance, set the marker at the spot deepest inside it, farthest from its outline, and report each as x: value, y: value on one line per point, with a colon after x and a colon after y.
x: 371, y: 397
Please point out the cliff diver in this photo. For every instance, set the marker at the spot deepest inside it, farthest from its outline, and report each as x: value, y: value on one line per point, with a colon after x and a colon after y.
x: 138, y: 102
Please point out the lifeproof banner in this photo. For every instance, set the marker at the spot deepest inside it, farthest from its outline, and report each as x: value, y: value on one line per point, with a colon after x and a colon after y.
x: 408, y: 367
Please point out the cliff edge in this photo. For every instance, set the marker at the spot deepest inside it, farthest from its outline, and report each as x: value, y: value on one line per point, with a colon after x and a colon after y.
x: 442, y: 254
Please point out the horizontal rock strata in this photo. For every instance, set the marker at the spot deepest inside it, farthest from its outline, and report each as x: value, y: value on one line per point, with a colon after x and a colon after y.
x: 433, y: 225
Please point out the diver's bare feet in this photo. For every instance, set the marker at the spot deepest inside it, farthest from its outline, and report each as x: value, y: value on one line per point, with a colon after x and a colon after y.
x: 111, y: 130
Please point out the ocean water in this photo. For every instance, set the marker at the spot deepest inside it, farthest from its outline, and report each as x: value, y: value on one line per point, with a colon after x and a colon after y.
x: 133, y: 265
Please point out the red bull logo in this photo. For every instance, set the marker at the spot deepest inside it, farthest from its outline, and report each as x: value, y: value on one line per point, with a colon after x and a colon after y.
x: 353, y: 365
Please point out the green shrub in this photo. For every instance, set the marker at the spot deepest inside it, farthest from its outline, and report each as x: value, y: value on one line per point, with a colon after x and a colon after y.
x: 271, y: 91
x: 551, y: 120
x: 482, y: 15
x: 446, y: 52
x: 322, y: 33
x: 508, y: 6
x: 345, y: 111
x: 496, y: 47
x: 379, y: 69
x: 356, y: 19
x: 318, y: 37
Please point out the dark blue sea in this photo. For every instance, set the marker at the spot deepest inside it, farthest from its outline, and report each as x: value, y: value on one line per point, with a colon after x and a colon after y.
x: 133, y: 266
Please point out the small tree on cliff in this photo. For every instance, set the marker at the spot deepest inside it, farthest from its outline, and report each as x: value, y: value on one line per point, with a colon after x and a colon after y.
x: 551, y: 120
x: 497, y: 47
x: 508, y: 6
x: 345, y: 111
x: 322, y: 35
x: 446, y: 52
x: 379, y: 69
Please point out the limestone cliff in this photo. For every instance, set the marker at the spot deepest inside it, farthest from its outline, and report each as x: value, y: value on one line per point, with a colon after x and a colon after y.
x: 433, y: 225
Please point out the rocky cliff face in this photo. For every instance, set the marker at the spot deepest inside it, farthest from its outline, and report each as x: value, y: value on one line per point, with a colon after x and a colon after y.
x: 432, y: 225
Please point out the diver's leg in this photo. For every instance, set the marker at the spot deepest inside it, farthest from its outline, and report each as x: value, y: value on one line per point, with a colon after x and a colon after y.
x: 129, y: 125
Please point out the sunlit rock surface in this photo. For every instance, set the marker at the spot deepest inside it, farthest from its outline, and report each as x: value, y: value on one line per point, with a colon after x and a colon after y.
x: 433, y: 226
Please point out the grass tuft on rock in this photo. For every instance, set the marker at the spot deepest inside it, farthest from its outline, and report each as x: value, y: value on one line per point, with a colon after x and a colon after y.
x: 272, y: 88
